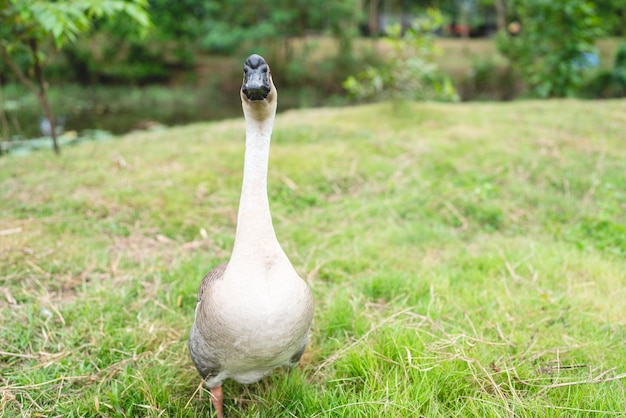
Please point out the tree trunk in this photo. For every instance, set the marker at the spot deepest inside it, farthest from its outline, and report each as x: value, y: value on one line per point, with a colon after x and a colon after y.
x: 465, y: 22
x: 42, y: 96
x: 501, y: 14
x: 374, y: 18
x: 406, y: 15
x: 3, y: 119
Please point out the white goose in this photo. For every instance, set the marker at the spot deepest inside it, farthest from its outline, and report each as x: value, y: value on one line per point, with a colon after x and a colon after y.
x: 253, y: 313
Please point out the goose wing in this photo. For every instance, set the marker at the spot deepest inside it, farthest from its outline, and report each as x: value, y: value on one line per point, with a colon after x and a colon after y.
x: 205, y: 360
x: 215, y: 274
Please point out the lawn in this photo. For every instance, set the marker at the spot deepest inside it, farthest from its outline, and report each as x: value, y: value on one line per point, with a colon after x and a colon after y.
x: 466, y: 260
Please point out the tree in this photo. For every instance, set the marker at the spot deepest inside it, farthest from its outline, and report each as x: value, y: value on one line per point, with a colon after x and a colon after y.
x: 229, y: 24
x: 114, y: 53
x: 613, y: 16
x: 26, y: 26
x: 373, y: 20
x: 555, y: 45
x: 500, y: 7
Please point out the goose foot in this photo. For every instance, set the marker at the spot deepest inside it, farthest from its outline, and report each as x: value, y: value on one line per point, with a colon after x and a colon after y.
x: 217, y: 399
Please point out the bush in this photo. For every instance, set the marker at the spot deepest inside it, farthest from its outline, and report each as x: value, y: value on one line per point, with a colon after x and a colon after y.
x: 551, y: 48
x: 409, y: 71
x: 490, y: 79
x: 608, y: 83
x: 115, y: 62
x: 620, y: 62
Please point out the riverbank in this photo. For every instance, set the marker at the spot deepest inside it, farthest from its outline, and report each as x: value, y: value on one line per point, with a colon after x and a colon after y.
x: 209, y: 91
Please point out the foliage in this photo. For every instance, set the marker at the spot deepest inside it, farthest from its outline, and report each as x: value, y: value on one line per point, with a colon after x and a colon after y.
x: 409, y: 71
x: 609, y: 83
x: 62, y: 21
x: 116, y: 54
x: 467, y: 260
x: 178, y: 21
x: 26, y: 24
x: 490, y: 79
x: 231, y: 24
x: 620, y: 61
x: 612, y: 14
x: 187, y: 28
x: 555, y: 39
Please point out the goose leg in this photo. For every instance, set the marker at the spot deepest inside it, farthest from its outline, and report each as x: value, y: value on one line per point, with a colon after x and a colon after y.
x: 217, y: 399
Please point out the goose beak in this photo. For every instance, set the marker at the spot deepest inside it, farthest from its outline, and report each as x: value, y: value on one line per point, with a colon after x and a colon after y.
x: 256, y: 78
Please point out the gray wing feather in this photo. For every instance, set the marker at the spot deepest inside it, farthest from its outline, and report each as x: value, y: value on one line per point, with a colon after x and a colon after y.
x: 201, y: 355
x: 214, y: 274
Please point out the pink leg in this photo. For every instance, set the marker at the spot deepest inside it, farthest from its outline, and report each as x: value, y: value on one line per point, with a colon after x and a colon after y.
x: 217, y: 399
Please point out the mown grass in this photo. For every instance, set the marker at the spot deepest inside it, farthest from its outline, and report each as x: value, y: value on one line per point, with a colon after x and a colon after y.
x: 466, y: 260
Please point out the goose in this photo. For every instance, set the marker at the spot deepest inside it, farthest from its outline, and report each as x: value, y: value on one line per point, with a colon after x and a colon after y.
x: 254, y: 312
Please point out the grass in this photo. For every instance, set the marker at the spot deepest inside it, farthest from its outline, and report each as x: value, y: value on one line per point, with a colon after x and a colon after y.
x: 466, y: 260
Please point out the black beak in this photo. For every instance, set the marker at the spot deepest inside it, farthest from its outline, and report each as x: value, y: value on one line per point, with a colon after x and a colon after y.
x: 256, y: 78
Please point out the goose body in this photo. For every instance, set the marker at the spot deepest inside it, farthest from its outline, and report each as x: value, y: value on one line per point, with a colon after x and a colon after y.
x: 254, y: 312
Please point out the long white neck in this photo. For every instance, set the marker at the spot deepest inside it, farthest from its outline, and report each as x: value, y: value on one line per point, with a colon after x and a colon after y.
x: 255, y: 236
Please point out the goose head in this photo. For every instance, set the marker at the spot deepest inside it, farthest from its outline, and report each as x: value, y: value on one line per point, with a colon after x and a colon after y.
x: 258, y: 93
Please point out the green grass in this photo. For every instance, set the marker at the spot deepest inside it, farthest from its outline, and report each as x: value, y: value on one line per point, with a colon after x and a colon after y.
x: 466, y: 260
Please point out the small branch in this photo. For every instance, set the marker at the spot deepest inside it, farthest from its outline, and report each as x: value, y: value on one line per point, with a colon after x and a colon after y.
x: 18, y: 71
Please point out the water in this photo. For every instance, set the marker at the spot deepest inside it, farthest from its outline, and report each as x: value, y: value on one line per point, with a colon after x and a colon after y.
x: 122, y: 109
x: 115, y: 109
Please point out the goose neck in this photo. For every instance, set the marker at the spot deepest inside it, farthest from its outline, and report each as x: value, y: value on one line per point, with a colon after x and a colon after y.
x: 254, y: 220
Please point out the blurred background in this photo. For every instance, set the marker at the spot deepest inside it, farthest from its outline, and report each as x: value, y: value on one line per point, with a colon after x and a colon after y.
x: 115, y: 66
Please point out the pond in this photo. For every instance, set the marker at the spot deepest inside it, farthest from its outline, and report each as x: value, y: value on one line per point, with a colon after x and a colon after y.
x: 120, y: 109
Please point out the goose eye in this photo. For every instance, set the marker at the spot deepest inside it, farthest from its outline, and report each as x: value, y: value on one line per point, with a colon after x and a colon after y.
x: 265, y: 69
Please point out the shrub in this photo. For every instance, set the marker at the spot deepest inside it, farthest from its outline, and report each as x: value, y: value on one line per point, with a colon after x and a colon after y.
x: 409, y: 71
x: 550, y: 51
x: 620, y: 62
x: 608, y: 83
x: 490, y: 79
